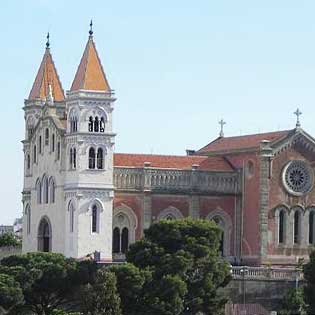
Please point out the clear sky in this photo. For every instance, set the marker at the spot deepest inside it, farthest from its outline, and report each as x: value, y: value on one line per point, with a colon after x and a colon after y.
x: 177, y: 67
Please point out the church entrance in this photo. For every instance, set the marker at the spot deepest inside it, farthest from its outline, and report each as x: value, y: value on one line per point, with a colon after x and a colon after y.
x: 44, y: 235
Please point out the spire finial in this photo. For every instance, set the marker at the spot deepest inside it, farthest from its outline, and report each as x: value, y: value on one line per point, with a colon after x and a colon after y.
x: 48, y: 42
x: 221, y: 123
x: 91, y: 29
x: 298, y: 113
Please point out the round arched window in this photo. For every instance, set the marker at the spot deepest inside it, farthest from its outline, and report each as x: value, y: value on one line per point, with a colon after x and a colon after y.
x: 297, y: 178
x: 250, y: 168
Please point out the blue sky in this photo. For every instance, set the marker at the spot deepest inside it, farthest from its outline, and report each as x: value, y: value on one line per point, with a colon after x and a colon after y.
x: 177, y: 67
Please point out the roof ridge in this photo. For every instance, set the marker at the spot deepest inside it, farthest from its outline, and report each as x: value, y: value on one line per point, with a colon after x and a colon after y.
x: 164, y: 155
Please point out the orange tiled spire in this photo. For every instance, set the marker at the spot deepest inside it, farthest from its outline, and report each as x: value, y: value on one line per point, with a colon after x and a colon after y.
x: 47, y: 76
x: 90, y: 74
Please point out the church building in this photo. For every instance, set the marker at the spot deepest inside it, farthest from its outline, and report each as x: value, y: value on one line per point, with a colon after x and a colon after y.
x: 81, y: 197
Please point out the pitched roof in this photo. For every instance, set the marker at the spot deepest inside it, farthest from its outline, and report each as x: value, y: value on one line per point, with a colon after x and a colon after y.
x: 172, y: 161
x: 47, y: 75
x: 90, y: 74
x: 224, y: 144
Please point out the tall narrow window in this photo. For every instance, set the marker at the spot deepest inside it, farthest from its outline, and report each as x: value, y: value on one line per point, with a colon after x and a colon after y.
x: 296, y: 232
x: 100, y: 158
x: 71, y: 158
x: 45, y: 188
x: 52, y: 189
x: 94, y: 219
x: 124, y: 240
x: 116, y: 240
x: 281, y: 228
x: 39, y: 191
x: 58, y: 151
x: 34, y: 154
x: 74, y: 158
x: 102, y: 125
x: 53, y: 143
x: 91, y: 124
x: 40, y: 144
x: 311, y: 228
x: 28, y: 162
x: 46, y: 136
x: 91, y: 158
x: 96, y: 124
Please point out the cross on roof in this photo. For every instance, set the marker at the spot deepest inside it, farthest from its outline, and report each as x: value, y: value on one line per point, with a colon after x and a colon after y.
x: 222, y: 123
x: 91, y: 28
x: 298, y: 113
x: 48, y: 42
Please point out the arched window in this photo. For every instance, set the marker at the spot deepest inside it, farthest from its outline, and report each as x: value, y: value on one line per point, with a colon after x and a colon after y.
x: 100, y: 158
x: 91, y: 124
x: 91, y: 158
x: 102, y: 125
x: 95, y: 219
x: 116, y: 240
x: 74, y: 158
x: 46, y: 136
x: 71, y: 217
x: 281, y: 227
x: 218, y: 221
x: 39, y: 191
x: 40, y: 144
x: 45, y: 188
x: 52, y: 190
x: 53, y: 143
x: 34, y: 154
x: 44, y: 235
x: 124, y: 240
x: 296, y: 227
x: 58, y: 150
x: 28, y: 219
x: 311, y: 227
x: 28, y: 161
x: 71, y: 158
x: 96, y: 124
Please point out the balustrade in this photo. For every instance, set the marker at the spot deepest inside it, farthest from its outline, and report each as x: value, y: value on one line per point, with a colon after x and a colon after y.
x: 176, y: 180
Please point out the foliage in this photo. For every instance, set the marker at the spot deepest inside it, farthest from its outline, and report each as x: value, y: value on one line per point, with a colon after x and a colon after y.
x: 293, y: 303
x: 47, y: 280
x: 62, y: 312
x: 101, y: 296
x: 309, y: 277
x: 186, y: 269
x: 10, y: 293
x: 9, y: 239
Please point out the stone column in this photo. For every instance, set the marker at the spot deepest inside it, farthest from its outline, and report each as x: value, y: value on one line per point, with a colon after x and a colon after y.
x: 194, y: 207
x: 147, y: 201
x: 265, y: 157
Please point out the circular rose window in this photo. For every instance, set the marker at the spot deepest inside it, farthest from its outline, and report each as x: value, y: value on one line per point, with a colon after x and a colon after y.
x: 297, y: 178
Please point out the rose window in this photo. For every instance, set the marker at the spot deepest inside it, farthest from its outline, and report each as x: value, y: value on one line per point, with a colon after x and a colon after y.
x: 297, y: 177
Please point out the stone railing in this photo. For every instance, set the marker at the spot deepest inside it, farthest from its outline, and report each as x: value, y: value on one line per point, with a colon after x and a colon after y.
x: 265, y: 273
x: 152, y: 179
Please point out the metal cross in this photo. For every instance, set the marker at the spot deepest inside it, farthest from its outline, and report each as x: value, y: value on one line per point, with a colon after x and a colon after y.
x: 91, y: 28
x: 222, y: 123
x: 47, y: 43
x: 298, y: 113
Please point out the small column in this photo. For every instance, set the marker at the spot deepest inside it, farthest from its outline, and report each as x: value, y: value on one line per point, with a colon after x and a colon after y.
x: 194, y: 204
x: 147, y: 201
x: 265, y: 157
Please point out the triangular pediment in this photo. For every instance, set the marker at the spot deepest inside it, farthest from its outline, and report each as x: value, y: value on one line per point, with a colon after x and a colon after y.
x: 298, y: 139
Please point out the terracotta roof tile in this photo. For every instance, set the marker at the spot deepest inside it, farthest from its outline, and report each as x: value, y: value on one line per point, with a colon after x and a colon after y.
x: 172, y: 161
x: 90, y: 74
x: 242, y: 142
x: 47, y: 75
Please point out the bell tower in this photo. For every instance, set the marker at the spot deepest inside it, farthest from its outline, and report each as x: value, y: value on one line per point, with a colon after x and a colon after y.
x: 89, y: 142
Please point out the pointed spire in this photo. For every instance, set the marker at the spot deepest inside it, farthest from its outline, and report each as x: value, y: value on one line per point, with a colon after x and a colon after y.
x: 90, y: 74
x: 47, y: 79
